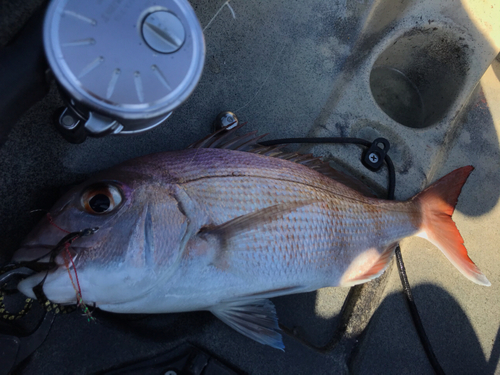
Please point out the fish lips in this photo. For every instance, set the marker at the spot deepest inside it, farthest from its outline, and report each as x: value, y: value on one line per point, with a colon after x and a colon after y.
x: 31, y: 253
x: 43, y: 253
x: 44, y: 262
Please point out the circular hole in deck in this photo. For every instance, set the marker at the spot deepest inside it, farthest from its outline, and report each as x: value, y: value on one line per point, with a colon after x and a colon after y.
x: 416, y: 80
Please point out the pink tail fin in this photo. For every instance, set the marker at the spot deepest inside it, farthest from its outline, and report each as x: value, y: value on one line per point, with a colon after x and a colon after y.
x: 438, y: 203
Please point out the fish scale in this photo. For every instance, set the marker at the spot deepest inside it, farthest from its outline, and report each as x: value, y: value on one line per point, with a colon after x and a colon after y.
x: 245, y: 195
x: 341, y: 233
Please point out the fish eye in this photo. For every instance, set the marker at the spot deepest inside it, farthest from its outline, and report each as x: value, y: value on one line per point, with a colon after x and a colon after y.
x: 101, y: 199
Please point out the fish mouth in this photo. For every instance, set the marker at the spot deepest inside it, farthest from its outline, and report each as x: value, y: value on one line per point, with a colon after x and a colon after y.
x: 40, y: 253
x: 45, y: 261
x: 30, y: 253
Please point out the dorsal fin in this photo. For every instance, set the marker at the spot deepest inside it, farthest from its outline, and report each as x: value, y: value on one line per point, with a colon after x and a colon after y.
x: 227, y: 139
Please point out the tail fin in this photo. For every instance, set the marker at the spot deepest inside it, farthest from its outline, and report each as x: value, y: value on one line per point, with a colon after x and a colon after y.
x: 438, y: 203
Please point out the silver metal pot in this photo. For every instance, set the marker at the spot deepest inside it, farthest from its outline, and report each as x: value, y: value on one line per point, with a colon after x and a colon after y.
x: 122, y: 65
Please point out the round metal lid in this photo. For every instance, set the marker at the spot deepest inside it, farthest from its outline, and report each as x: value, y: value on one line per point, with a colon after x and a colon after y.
x: 128, y: 59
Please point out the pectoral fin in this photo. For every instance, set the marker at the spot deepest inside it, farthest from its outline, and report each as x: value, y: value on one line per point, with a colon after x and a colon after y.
x: 221, y: 235
x: 254, y: 318
x: 251, y: 221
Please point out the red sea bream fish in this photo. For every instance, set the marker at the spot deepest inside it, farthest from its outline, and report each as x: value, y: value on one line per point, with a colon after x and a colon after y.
x: 223, y: 230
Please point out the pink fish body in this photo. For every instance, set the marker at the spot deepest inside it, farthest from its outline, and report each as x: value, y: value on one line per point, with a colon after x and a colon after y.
x: 223, y: 230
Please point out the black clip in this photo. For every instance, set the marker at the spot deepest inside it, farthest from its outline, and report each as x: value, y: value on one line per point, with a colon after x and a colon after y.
x: 373, y: 158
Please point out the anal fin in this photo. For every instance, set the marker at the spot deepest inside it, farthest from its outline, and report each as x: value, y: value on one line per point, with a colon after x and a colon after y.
x: 367, y: 266
x: 254, y: 318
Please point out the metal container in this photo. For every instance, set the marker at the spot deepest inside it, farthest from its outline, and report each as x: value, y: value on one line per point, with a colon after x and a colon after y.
x: 122, y: 65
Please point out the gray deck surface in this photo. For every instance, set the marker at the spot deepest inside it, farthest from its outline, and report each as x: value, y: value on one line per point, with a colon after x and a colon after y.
x: 281, y: 66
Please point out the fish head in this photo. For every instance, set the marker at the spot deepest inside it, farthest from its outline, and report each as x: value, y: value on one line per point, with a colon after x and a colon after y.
x: 128, y: 229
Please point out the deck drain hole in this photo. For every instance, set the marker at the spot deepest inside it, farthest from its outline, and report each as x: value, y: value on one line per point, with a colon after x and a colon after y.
x: 416, y: 80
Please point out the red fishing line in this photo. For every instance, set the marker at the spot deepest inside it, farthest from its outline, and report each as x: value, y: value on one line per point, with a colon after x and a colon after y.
x: 74, y: 268
x: 66, y: 263
x: 51, y: 221
x: 78, y: 290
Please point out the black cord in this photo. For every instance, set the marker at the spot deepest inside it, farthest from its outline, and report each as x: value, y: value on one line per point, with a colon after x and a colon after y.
x: 399, y: 258
x: 415, y: 316
x: 406, y: 284
x: 392, y: 178
x: 357, y: 141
